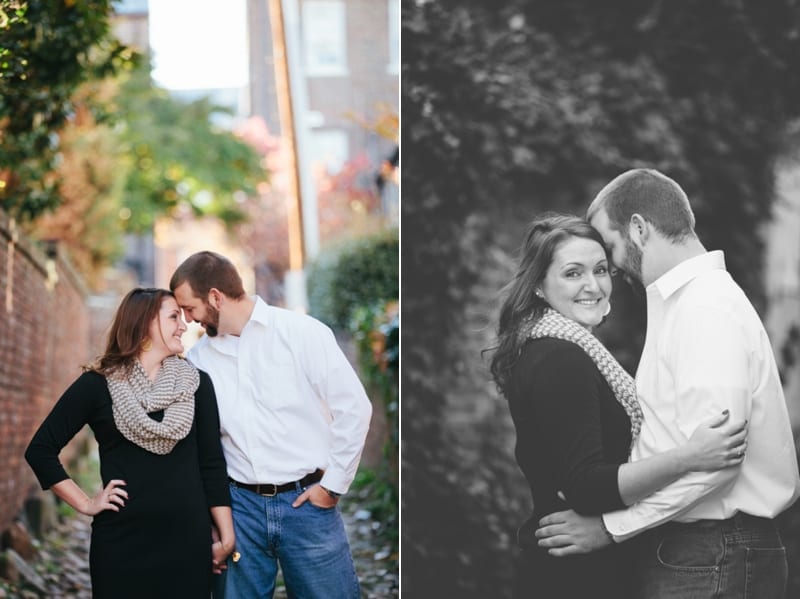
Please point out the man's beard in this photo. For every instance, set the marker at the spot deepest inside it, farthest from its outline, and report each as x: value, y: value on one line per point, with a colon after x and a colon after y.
x: 633, y: 261
x: 211, y: 324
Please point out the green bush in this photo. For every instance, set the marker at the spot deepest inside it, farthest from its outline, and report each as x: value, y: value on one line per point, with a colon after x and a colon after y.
x: 375, y: 329
x: 355, y: 287
x: 357, y: 273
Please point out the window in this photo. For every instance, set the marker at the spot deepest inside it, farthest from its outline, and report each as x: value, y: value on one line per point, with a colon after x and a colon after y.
x: 394, y: 37
x: 329, y: 147
x: 130, y: 7
x: 324, y: 38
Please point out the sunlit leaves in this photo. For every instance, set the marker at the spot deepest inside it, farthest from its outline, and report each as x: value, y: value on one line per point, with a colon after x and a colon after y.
x: 178, y: 156
x: 48, y: 48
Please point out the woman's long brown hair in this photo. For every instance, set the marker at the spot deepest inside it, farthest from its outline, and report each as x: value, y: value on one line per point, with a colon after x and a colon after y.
x: 129, y: 330
x: 545, y: 234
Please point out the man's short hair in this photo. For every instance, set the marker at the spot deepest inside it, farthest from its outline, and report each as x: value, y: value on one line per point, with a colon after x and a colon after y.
x: 206, y: 270
x: 651, y: 194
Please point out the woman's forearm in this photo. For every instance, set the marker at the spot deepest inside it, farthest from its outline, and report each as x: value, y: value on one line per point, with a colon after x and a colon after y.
x: 68, y: 490
x: 639, y: 479
x: 715, y: 444
x: 223, y: 524
x: 112, y: 497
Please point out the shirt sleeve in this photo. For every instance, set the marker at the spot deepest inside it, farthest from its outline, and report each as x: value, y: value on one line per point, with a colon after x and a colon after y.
x: 209, y: 447
x: 709, y: 366
x: 71, y: 412
x: 340, y: 390
x: 562, y: 391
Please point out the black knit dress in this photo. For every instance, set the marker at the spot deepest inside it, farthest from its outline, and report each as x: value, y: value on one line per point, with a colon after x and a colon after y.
x: 572, y: 435
x: 159, y: 544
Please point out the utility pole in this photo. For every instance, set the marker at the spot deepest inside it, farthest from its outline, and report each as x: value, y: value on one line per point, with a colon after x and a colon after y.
x: 302, y: 203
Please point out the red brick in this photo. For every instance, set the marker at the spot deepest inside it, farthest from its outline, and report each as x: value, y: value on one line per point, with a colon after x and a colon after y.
x: 44, y: 339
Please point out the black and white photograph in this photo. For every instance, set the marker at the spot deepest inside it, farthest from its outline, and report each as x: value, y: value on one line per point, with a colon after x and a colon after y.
x: 600, y: 266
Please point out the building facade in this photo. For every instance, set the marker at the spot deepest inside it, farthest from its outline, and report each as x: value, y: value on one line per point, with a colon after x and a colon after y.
x: 348, y: 55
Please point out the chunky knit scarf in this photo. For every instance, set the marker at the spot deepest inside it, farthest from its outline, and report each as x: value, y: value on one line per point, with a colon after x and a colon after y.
x: 554, y: 324
x: 134, y: 396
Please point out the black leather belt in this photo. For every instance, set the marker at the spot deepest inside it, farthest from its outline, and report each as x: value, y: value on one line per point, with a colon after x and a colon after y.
x: 269, y: 489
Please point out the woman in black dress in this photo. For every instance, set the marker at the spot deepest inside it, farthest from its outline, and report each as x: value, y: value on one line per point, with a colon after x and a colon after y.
x: 164, y: 479
x: 575, y: 409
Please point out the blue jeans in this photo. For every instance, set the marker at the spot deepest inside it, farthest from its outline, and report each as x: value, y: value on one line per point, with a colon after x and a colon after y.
x: 308, y: 542
x: 741, y: 557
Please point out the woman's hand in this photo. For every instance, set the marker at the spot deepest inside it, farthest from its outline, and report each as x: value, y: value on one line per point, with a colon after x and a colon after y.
x: 223, y: 538
x: 112, y: 497
x: 717, y: 443
x: 219, y: 556
x: 220, y: 550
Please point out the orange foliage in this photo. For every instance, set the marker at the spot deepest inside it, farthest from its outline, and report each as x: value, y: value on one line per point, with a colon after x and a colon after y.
x: 265, y: 232
x: 386, y: 124
x: 347, y: 202
x: 85, y: 224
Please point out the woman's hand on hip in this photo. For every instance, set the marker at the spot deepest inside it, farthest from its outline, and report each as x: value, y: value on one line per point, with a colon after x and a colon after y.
x: 112, y: 497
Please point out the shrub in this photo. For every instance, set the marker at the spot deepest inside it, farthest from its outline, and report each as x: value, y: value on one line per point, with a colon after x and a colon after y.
x: 357, y: 273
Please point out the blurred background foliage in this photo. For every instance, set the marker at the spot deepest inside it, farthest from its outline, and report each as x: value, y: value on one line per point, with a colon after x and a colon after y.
x: 91, y: 149
x: 352, y: 274
x: 514, y: 107
x: 353, y: 286
x: 47, y: 49
x: 177, y: 155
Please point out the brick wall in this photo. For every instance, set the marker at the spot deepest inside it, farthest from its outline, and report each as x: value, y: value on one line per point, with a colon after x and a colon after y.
x: 44, y: 339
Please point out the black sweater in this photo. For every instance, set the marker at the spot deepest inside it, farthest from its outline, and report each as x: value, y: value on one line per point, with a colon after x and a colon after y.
x: 572, y: 435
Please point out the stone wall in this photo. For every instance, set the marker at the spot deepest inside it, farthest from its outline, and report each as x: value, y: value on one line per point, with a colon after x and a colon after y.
x: 44, y: 340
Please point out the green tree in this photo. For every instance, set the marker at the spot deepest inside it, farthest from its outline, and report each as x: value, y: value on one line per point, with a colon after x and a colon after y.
x: 47, y: 49
x: 176, y: 155
x: 129, y: 153
x: 91, y: 176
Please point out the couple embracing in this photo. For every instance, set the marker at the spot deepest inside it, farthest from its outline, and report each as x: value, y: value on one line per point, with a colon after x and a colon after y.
x: 663, y: 486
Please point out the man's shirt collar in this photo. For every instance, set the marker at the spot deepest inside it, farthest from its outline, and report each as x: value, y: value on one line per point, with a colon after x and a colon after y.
x: 680, y: 275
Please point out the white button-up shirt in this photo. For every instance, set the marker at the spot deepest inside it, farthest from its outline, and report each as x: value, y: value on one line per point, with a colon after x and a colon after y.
x: 706, y: 351
x: 289, y: 401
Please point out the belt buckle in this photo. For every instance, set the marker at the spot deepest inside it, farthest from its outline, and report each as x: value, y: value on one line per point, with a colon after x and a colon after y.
x: 274, y: 490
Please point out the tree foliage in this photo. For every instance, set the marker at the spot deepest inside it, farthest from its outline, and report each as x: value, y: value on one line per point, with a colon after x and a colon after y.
x: 90, y: 147
x: 47, y: 49
x: 176, y: 155
x: 360, y: 272
x: 91, y: 177
x: 515, y: 107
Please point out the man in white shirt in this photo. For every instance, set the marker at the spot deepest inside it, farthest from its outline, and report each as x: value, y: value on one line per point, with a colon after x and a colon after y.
x: 293, y: 418
x: 706, y: 350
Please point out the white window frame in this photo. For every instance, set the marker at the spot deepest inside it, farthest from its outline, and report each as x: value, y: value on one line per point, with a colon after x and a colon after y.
x: 324, y: 28
x: 393, y: 35
x: 330, y: 147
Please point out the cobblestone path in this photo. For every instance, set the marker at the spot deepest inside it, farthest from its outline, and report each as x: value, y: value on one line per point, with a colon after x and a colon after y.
x: 63, y: 560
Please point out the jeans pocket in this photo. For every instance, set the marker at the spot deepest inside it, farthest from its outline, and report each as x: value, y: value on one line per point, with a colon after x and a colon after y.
x: 321, y: 508
x: 767, y: 573
x: 698, y: 555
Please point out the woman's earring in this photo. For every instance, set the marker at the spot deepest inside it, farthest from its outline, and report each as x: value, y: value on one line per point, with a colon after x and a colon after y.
x: 540, y: 295
x: 608, y: 309
x: 147, y: 344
